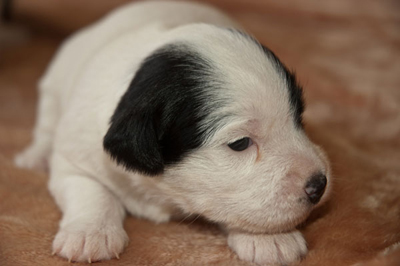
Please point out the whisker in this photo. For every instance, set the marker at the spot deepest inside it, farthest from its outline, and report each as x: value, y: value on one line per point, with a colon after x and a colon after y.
x: 187, y: 216
x: 197, y: 217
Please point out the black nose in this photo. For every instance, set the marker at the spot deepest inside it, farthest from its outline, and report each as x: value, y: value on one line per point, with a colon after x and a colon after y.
x: 315, y: 188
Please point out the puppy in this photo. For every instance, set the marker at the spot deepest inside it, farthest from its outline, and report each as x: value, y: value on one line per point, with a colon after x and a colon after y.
x: 164, y: 109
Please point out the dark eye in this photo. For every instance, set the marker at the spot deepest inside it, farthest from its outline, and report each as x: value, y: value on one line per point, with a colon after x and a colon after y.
x: 241, y: 144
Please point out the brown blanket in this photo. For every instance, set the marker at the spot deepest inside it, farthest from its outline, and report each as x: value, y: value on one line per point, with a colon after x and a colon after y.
x: 347, y: 56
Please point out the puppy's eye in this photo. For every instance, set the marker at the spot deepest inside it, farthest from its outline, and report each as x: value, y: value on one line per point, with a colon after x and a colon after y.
x: 241, y: 144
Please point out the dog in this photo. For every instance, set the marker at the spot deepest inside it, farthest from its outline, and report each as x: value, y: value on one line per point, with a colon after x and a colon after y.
x: 165, y: 109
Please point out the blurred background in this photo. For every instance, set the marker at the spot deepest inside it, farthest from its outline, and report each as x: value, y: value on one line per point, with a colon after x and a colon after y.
x: 346, y: 55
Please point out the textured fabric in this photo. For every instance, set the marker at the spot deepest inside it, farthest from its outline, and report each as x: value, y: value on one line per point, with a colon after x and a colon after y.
x: 347, y: 56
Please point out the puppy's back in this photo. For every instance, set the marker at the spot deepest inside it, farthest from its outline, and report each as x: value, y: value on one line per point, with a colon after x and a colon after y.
x: 132, y: 18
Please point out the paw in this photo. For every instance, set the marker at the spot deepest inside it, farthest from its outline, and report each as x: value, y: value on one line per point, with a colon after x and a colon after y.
x: 34, y: 157
x: 88, y: 244
x: 279, y: 249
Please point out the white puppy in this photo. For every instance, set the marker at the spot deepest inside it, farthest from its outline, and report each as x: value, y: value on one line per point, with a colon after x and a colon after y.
x: 163, y: 109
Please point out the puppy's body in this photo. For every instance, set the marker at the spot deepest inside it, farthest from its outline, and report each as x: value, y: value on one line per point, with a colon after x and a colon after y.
x: 106, y: 56
x: 109, y: 54
x: 163, y: 87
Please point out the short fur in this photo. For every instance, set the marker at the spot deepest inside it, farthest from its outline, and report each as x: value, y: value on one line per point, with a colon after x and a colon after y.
x: 165, y: 87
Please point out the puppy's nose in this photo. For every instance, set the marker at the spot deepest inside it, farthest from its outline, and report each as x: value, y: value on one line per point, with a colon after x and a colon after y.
x: 315, y: 187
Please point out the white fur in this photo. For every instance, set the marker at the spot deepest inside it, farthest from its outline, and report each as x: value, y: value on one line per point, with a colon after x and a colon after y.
x: 267, y: 249
x: 254, y: 194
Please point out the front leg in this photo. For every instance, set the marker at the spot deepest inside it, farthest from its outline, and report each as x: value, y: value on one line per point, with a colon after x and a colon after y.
x: 91, y: 228
x: 264, y: 249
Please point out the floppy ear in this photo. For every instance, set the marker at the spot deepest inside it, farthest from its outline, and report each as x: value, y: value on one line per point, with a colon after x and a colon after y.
x: 133, y: 137
x: 160, y: 117
x: 132, y: 141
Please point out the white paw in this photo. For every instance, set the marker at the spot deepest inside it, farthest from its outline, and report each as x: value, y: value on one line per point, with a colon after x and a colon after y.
x: 33, y: 157
x: 279, y: 249
x: 89, y: 243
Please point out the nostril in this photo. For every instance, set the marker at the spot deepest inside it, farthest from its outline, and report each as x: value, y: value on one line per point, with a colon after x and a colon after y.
x: 315, y: 187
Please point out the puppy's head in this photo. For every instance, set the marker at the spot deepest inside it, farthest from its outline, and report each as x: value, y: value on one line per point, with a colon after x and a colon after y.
x: 217, y: 119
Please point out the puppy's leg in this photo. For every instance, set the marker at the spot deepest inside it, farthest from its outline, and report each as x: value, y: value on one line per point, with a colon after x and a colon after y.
x: 91, y: 228
x: 36, y: 156
x: 277, y: 249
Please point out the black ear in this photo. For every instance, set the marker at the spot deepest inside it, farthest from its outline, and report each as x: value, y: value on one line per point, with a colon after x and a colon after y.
x: 132, y: 141
x: 158, y: 119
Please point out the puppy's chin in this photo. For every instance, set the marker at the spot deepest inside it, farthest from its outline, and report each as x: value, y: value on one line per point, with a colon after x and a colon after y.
x: 267, y: 224
x: 267, y: 228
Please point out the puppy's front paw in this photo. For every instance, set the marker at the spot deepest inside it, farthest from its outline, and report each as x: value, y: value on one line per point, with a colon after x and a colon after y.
x: 33, y: 157
x: 279, y: 249
x: 89, y: 243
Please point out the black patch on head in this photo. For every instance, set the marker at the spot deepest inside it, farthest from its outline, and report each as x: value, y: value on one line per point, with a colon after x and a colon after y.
x: 157, y: 120
x: 295, y: 90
